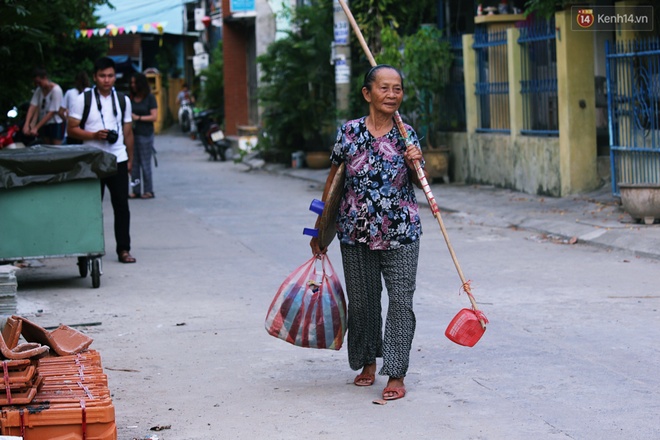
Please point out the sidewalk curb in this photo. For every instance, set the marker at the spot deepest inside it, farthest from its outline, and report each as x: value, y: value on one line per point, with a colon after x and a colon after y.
x: 575, y: 222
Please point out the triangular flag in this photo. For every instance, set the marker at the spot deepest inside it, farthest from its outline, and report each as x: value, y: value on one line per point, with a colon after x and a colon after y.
x: 90, y: 33
x: 102, y: 32
x: 77, y: 33
x: 146, y: 27
x: 114, y: 32
x: 121, y: 31
x: 133, y: 29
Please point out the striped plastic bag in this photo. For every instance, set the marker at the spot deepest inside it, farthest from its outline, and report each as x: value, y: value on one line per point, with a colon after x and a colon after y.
x: 309, y: 309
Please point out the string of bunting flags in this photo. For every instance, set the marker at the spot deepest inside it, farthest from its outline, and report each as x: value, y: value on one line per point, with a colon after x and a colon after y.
x: 113, y: 31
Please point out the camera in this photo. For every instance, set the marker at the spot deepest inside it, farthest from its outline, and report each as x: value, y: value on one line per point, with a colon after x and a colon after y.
x: 112, y: 136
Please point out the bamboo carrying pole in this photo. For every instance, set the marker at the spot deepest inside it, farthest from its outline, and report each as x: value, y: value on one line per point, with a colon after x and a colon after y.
x: 418, y: 168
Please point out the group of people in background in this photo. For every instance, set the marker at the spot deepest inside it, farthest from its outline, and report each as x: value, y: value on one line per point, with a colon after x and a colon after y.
x: 50, y: 109
x: 101, y: 117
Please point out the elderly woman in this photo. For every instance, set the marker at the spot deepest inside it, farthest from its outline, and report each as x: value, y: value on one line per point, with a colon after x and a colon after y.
x: 379, y: 229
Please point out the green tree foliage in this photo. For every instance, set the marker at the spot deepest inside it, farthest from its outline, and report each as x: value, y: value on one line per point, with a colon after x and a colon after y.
x: 424, y: 59
x: 42, y: 33
x: 417, y: 13
x: 427, y: 60
x: 298, y: 84
x: 392, y: 50
x: 213, y: 94
x: 544, y: 8
x: 382, y: 22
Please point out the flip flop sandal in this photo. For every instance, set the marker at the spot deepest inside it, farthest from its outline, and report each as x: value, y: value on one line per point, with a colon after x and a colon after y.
x: 399, y: 392
x: 364, y: 380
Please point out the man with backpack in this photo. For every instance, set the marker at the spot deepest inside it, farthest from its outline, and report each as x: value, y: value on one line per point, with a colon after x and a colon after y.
x: 101, y: 117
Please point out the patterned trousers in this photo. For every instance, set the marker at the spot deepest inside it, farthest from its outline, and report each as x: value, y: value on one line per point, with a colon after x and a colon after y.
x: 363, y: 269
x: 142, y: 153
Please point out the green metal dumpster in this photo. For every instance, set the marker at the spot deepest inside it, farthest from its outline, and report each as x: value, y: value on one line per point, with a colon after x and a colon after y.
x: 50, y: 204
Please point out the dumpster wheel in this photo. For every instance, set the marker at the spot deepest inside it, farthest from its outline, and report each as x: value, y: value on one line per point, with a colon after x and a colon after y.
x: 82, y: 266
x: 96, y: 273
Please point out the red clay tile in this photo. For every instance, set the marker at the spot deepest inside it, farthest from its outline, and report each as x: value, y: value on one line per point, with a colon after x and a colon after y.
x: 64, y: 340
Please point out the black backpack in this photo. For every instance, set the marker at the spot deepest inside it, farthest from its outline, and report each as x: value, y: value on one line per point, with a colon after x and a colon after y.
x: 88, y: 103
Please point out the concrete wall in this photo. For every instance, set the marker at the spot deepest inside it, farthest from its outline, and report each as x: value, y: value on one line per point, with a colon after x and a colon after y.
x: 458, y: 150
x: 526, y: 163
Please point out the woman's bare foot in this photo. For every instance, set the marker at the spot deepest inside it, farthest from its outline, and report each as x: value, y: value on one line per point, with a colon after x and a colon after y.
x: 395, y: 389
x: 367, y: 377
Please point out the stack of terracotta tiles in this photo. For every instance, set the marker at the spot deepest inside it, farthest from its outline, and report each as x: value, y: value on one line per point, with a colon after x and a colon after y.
x: 72, y: 402
x: 19, y: 382
x: 62, y: 397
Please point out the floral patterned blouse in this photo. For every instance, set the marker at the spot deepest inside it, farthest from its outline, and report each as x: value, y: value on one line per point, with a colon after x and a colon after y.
x: 379, y: 207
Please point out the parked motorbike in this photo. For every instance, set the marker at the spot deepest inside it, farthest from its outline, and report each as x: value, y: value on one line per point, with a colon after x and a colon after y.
x: 11, y: 134
x: 186, y: 117
x: 211, y: 135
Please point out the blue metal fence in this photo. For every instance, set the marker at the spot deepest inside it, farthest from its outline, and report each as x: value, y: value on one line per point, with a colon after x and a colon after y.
x: 539, y: 78
x: 492, y: 86
x: 633, y: 91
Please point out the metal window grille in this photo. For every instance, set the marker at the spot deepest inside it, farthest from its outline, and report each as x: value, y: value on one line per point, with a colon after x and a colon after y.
x: 539, y: 78
x: 633, y: 93
x: 453, y: 105
x: 492, y: 87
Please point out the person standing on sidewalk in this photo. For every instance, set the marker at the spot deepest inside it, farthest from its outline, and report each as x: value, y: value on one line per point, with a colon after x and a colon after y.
x: 81, y: 84
x: 145, y: 113
x: 108, y: 126
x: 44, y: 107
x: 378, y: 227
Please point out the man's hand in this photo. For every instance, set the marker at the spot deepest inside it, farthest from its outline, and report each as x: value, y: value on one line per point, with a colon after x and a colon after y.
x: 101, y: 135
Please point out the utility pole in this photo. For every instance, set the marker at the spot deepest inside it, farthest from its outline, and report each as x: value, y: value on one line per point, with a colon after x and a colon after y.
x: 341, y: 58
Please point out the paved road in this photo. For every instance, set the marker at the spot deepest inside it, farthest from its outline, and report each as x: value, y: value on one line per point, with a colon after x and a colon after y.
x: 571, y: 351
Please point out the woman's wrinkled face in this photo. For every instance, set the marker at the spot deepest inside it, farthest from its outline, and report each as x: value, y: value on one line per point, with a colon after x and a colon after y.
x: 386, y: 91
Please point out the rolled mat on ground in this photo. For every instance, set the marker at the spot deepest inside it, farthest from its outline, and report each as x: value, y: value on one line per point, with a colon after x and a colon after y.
x: 309, y: 308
